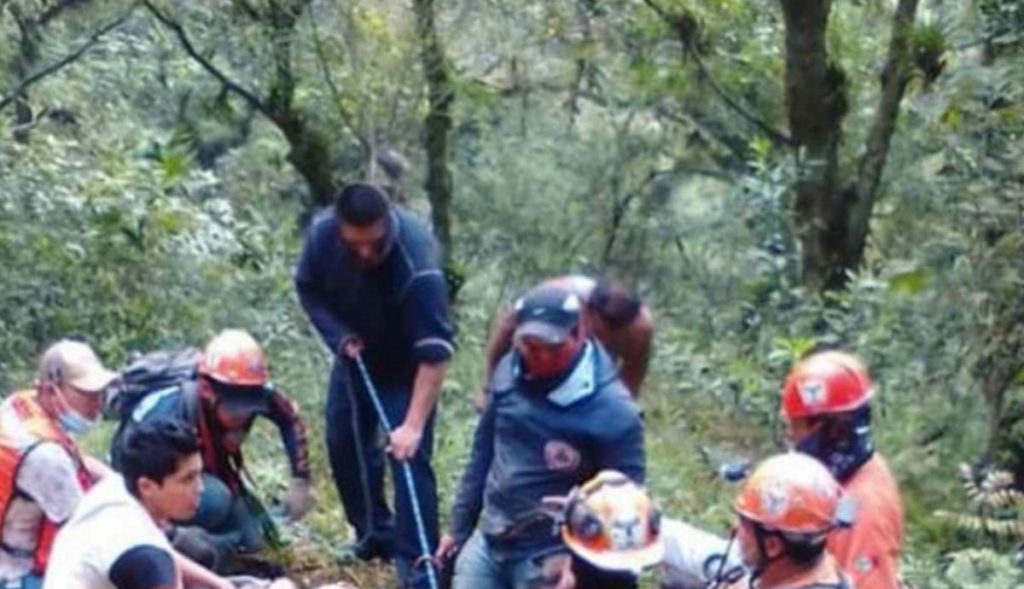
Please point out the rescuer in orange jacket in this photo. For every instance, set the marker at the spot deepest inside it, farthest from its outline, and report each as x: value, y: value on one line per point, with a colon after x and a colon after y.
x: 826, y: 405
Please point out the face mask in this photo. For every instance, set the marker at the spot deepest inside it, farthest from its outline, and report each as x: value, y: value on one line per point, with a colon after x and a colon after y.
x: 842, y: 457
x: 72, y: 421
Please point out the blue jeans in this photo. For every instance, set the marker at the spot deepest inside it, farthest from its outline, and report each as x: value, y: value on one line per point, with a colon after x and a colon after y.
x: 357, y: 464
x: 229, y: 524
x: 480, y: 566
x: 29, y: 581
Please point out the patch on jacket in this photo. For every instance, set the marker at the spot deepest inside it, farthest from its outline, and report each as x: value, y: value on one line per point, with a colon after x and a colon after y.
x: 863, y: 564
x: 559, y: 455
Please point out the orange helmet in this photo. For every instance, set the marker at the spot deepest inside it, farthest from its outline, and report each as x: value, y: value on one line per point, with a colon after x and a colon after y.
x: 612, y: 523
x: 791, y: 493
x: 233, y: 357
x: 827, y: 382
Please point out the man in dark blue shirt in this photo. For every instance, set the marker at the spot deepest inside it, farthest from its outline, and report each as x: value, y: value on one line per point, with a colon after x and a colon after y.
x: 370, y: 281
x: 557, y: 414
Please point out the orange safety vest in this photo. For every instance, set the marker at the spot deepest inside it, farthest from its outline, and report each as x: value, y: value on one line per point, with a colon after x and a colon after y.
x: 870, y: 551
x: 39, y: 428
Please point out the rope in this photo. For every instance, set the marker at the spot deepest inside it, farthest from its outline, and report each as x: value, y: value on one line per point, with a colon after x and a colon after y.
x: 421, y: 532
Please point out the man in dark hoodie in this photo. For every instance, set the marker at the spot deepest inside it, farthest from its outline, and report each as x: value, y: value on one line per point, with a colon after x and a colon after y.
x: 369, y: 279
x: 557, y: 414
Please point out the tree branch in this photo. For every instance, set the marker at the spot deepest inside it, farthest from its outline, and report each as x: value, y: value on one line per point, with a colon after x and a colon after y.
x: 896, y: 76
x: 683, y: 26
x: 346, y: 119
x: 63, y: 62
x: 186, y: 43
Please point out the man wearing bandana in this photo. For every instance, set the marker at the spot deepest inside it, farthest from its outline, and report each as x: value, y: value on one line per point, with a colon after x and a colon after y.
x: 826, y: 403
x: 557, y: 414
x: 369, y: 279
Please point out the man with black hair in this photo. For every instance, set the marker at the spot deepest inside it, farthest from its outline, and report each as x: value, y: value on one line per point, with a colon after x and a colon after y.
x: 370, y: 281
x: 115, y: 538
x: 614, y: 315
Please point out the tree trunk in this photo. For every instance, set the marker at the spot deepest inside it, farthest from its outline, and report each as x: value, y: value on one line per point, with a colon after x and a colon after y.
x: 310, y: 150
x: 310, y: 153
x: 437, y: 124
x: 897, y: 73
x: 1001, y: 360
x: 832, y: 224
x: 816, y: 103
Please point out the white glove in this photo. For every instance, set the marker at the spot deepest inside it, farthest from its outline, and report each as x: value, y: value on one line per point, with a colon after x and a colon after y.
x: 299, y: 499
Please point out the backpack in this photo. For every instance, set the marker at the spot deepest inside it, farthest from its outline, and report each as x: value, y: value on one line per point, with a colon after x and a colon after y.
x: 148, y: 374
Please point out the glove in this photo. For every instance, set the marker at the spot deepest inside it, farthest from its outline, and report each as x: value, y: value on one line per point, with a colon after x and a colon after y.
x: 299, y: 499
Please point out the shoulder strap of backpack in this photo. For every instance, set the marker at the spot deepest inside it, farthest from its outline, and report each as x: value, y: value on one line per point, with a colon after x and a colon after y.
x: 190, y: 400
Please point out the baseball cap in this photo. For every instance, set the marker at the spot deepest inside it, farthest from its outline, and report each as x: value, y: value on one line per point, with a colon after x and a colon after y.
x: 74, y: 363
x: 548, y: 313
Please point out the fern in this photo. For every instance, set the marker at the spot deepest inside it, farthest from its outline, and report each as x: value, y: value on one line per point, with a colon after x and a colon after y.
x: 996, y: 508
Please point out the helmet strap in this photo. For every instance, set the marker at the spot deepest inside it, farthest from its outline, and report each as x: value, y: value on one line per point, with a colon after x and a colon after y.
x: 761, y: 535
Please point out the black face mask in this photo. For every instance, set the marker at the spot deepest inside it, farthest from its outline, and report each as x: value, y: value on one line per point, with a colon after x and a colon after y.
x: 842, y: 455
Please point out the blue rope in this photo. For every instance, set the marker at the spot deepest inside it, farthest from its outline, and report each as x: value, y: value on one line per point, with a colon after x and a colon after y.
x: 421, y: 530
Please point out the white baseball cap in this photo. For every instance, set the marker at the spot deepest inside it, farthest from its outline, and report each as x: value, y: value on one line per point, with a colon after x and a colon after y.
x: 73, y: 362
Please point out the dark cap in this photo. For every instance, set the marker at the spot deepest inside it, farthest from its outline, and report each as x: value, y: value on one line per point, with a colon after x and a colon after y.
x: 548, y: 313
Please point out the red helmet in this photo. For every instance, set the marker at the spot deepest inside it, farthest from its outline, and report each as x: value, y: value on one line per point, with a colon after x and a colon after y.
x: 827, y: 382
x: 791, y: 493
x: 233, y: 357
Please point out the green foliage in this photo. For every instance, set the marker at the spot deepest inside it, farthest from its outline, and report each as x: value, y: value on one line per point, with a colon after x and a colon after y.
x: 968, y: 569
x: 995, y: 506
x: 584, y: 141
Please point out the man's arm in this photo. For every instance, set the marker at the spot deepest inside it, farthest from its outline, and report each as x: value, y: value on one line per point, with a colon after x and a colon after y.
x: 499, y: 342
x: 635, y: 351
x: 405, y: 440
x: 424, y: 303
x: 284, y: 412
x: 622, y: 448
x: 195, y: 574
x: 469, y: 498
x: 308, y: 286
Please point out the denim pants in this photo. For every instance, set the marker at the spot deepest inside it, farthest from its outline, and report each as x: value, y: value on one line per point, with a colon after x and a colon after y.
x: 225, y: 526
x: 29, y: 581
x: 481, y: 566
x: 357, y: 465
